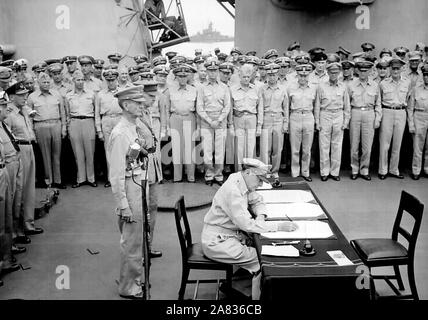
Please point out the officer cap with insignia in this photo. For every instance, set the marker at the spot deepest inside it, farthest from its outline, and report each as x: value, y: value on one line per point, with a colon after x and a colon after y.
x: 242, y: 59
x: 304, y: 69
x: 51, y: 61
x: 385, y: 51
x: 414, y: 55
x: 256, y: 167
x: 396, y: 62
x: 264, y: 62
x: 110, y: 74
x: 171, y: 54
x: 39, y: 67
x: 161, y: 69
x: 115, y: 57
x: 222, y: 56
x: 333, y: 57
x: 347, y: 64
x: 7, y: 63
x: 367, y: 46
x: 315, y: 51
x: 364, y: 65
x: 226, y: 67
x: 85, y: 59
x: 199, y: 59
x: 159, y: 60
x: 134, y: 93
x: 191, y: 68
x: 272, y: 68
x: 271, y: 54
x: 283, y: 61
x: 17, y: 88
x: 369, y: 56
x: 144, y: 67
x: 198, y: 52
x: 424, y: 70
x: 181, y: 70
x: 321, y: 56
x: 235, y: 50
x: 5, y: 74
x: 151, y: 87
x: 302, y: 59
x: 383, y: 63
x: 252, y: 60
x: 211, y: 64
x: 147, y: 75
x: 69, y: 59
x: 55, y: 67
x: 20, y: 64
x: 4, y: 98
x: 357, y: 55
x: 139, y: 58
x: 334, y: 67
x: 401, y: 51
x: 112, y: 66
x: 99, y: 63
x: 343, y: 51
x: 133, y: 70
x: 251, y: 53
x: 178, y: 60
x: 216, y: 50
x: 294, y: 46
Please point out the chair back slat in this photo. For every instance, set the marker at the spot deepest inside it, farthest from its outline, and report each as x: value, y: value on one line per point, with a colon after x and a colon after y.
x: 183, y: 228
x: 411, y: 205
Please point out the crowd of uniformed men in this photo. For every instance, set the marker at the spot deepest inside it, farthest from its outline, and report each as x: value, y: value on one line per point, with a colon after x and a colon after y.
x: 210, y: 107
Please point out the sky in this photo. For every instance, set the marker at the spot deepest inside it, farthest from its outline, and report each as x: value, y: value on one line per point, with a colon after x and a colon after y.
x: 198, y: 13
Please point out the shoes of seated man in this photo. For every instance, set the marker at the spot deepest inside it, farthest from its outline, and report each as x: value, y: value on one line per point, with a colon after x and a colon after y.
x: 33, y: 231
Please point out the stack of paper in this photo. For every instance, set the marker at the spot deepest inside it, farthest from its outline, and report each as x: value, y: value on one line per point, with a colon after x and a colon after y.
x: 339, y: 257
x: 281, y: 196
x: 305, y: 230
x: 297, y: 210
x: 280, y: 251
x: 265, y: 186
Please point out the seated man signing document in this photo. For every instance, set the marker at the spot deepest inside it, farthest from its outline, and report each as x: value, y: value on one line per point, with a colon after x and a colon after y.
x: 223, y: 237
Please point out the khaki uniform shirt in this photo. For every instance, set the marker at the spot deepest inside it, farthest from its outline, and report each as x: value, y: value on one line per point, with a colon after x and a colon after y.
x: 80, y: 104
x: 7, y: 146
x: 105, y: 103
x: 247, y: 100
x: 365, y: 95
x: 181, y: 101
x: 275, y: 100
x: 301, y: 98
x: 394, y: 94
x: 418, y: 101
x: 20, y: 124
x: 49, y: 106
x: 213, y: 101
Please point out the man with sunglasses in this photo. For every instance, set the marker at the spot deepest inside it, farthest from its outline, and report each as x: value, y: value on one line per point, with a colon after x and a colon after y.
x: 394, y: 92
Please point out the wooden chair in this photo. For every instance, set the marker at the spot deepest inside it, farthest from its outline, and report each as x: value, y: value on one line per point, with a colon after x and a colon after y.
x: 192, y: 255
x: 390, y: 252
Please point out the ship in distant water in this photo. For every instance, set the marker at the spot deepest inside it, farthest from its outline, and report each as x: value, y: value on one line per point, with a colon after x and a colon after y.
x: 210, y: 35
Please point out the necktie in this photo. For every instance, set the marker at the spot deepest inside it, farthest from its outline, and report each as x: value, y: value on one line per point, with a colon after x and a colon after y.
x: 11, y: 137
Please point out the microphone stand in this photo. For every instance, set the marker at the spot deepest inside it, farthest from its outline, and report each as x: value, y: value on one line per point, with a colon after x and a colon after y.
x: 146, y: 235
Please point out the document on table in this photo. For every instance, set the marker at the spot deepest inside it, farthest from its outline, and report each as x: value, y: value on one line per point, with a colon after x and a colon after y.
x: 297, y: 210
x: 281, y: 196
x: 306, y: 230
x: 265, y: 186
x: 280, y: 251
x: 339, y: 257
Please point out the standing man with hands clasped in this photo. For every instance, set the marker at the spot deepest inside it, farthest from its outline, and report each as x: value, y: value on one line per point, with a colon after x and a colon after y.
x: 223, y: 237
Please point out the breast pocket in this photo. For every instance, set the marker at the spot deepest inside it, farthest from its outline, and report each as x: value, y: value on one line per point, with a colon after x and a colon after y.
x: 370, y: 97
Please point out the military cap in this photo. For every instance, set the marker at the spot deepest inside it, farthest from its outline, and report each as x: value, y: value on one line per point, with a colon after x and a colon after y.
x: 5, y: 73
x: 385, y: 51
x: 20, y: 64
x: 319, y: 57
x: 161, y: 69
x: 333, y: 57
x: 39, y: 67
x: 364, y: 65
x: 85, y: 59
x: 424, y: 69
x: 356, y: 55
x: 115, y: 56
x: 420, y: 46
x: 112, y: 66
x: 55, y: 67
x: 151, y: 87
x: 199, y: 59
x: 159, y: 60
x: 252, y: 60
x: 304, y: 69
x: 415, y: 55
x: 369, y: 56
x: 257, y: 168
x: 242, y: 59
x: 344, y: 51
x: 135, y: 93
x: 139, y: 58
x: 216, y: 50
x: 235, y: 50
x: 263, y: 62
x: 178, y: 59
x: 302, y: 59
x: 271, y: 53
x: 4, y: 98
x: 283, y: 61
x: 69, y: 59
x: 251, y: 53
x: 226, y: 67
x: 133, y: 70
x: 295, y: 45
x: 17, y: 88
x: 144, y: 66
x: 211, y: 64
x: 333, y: 66
x: 221, y: 56
x: 347, y: 64
x: 110, y: 74
x: 51, y: 61
x: 396, y: 62
x: 198, y: 51
x: 147, y: 75
x: 171, y: 54
x: 272, y: 68
x: 383, y: 63
x: 189, y: 60
x: 98, y: 63
x: 181, y: 69
x: 401, y: 50
x: 316, y: 50
x: 191, y: 68
x: 7, y: 63
x: 367, y: 46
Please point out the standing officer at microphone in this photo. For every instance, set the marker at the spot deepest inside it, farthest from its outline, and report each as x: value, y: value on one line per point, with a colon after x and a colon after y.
x: 125, y: 167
